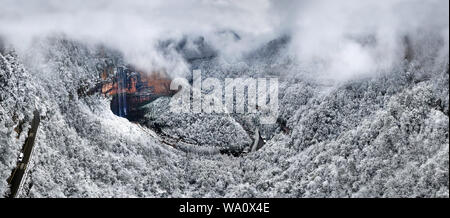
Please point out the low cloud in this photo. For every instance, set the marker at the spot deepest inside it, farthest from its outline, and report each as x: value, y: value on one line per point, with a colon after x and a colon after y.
x: 338, y: 39
x: 133, y: 27
x: 343, y: 39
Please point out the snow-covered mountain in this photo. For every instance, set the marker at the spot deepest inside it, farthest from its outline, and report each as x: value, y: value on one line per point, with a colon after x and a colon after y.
x: 368, y: 118
x: 381, y: 136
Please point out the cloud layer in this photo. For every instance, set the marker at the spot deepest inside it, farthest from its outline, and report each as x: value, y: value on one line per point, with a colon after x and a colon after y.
x: 337, y: 38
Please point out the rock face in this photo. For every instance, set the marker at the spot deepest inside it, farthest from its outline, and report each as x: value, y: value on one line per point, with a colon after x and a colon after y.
x: 131, y: 89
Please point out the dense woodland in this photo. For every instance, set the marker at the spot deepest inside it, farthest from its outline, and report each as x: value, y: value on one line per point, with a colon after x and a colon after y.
x: 380, y: 135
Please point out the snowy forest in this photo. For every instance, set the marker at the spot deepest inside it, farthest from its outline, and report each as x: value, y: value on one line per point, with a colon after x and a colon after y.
x: 363, y: 99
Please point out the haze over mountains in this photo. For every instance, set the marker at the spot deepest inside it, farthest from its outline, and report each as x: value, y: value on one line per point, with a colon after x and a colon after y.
x: 363, y: 98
